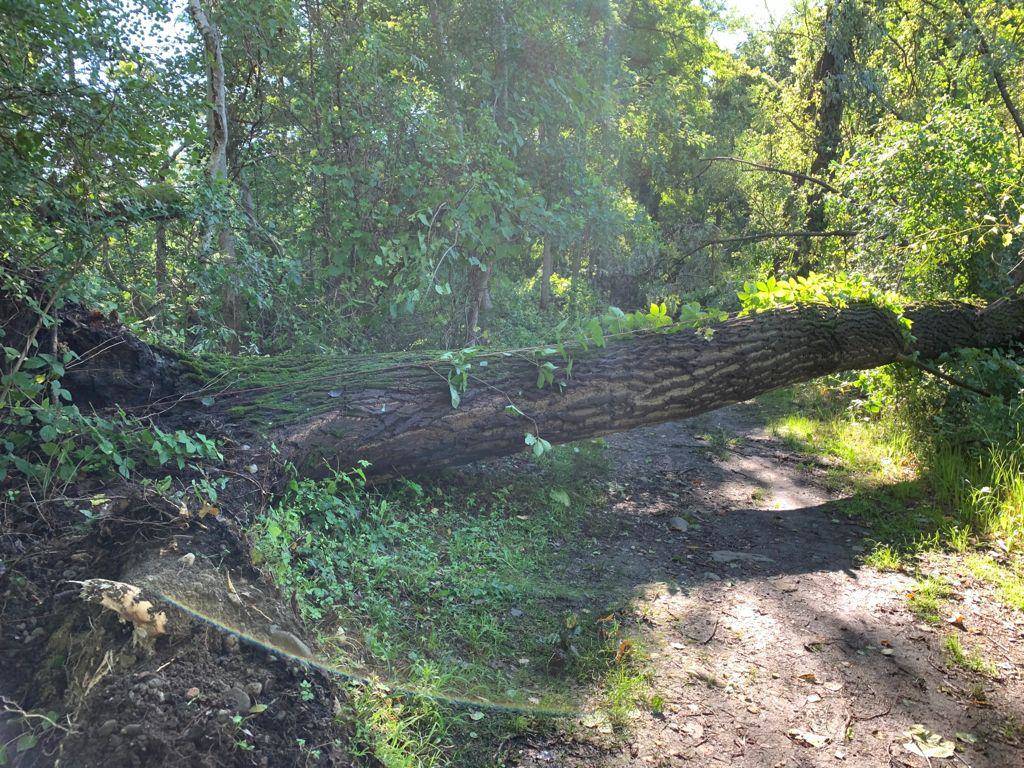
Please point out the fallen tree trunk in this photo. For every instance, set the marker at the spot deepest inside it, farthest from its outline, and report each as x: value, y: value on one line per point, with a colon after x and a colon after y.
x: 396, y: 412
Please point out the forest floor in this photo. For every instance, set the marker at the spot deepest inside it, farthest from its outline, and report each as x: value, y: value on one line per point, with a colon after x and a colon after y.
x: 767, y: 643
x: 694, y: 593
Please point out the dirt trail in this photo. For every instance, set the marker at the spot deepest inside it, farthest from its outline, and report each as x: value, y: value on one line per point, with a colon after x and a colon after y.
x: 769, y: 644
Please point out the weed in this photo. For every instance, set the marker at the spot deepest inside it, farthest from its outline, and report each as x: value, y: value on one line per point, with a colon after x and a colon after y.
x: 965, y: 658
x: 720, y: 442
x: 448, y: 593
x: 927, y: 598
x: 625, y: 690
x: 884, y: 557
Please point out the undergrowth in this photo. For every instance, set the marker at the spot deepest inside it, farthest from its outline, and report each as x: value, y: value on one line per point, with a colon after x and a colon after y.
x: 454, y: 601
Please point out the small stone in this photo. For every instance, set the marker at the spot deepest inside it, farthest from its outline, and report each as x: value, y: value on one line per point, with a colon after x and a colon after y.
x: 678, y: 524
x: 187, y: 559
x: 252, y: 469
x: 132, y: 730
x: 254, y: 689
x: 238, y: 699
x: 515, y: 613
x: 222, y: 715
x: 286, y: 641
x: 230, y: 643
x: 107, y: 728
x: 192, y: 693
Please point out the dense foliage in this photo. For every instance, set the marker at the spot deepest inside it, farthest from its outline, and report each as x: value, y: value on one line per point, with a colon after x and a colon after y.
x: 415, y: 166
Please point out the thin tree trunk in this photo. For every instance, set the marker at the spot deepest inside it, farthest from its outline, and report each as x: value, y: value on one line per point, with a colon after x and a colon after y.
x: 160, y: 259
x: 993, y: 67
x: 217, y: 168
x: 547, y: 267
x: 828, y: 119
x: 479, y: 298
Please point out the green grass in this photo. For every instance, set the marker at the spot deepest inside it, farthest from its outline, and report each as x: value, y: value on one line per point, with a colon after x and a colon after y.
x: 1008, y: 580
x: 965, y: 658
x: 885, y: 557
x: 720, y: 442
x: 454, y: 597
x: 869, y: 453
x: 927, y: 598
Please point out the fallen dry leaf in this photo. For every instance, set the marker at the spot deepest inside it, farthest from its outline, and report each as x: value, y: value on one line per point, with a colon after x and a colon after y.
x: 624, y: 648
x: 208, y: 510
x: 927, y: 744
x: 807, y: 738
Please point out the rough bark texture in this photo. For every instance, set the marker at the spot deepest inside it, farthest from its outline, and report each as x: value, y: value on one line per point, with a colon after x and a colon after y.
x: 395, y: 410
x: 407, y: 424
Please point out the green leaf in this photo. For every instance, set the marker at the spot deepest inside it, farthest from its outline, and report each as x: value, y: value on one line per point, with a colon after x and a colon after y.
x: 455, y: 396
x: 26, y: 742
x: 560, y: 496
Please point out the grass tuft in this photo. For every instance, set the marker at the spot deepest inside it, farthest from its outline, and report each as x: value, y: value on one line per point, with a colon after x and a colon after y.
x: 959, y: 656
x: 927, y: 597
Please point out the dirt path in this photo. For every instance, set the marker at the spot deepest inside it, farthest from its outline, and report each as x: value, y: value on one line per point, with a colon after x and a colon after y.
x: 769, y: 644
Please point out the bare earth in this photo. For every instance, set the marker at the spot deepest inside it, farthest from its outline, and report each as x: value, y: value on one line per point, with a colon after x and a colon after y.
x: 770, y: 644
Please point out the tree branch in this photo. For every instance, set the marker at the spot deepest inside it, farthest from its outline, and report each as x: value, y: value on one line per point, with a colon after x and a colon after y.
x: 997, y: 75
x: 771, y: 169
x: 758, y: 236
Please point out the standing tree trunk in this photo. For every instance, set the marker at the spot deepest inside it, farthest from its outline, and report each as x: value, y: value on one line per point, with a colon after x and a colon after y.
x: 217, y: 168
x: 479, y: 299
x: 547, y: 268
x: 827, y: 116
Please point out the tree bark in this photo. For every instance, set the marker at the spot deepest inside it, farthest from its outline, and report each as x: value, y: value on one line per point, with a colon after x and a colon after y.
x: 547, y: 267
x: 827, y: 116
x: 396, y: 412
x: 217, y: 168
